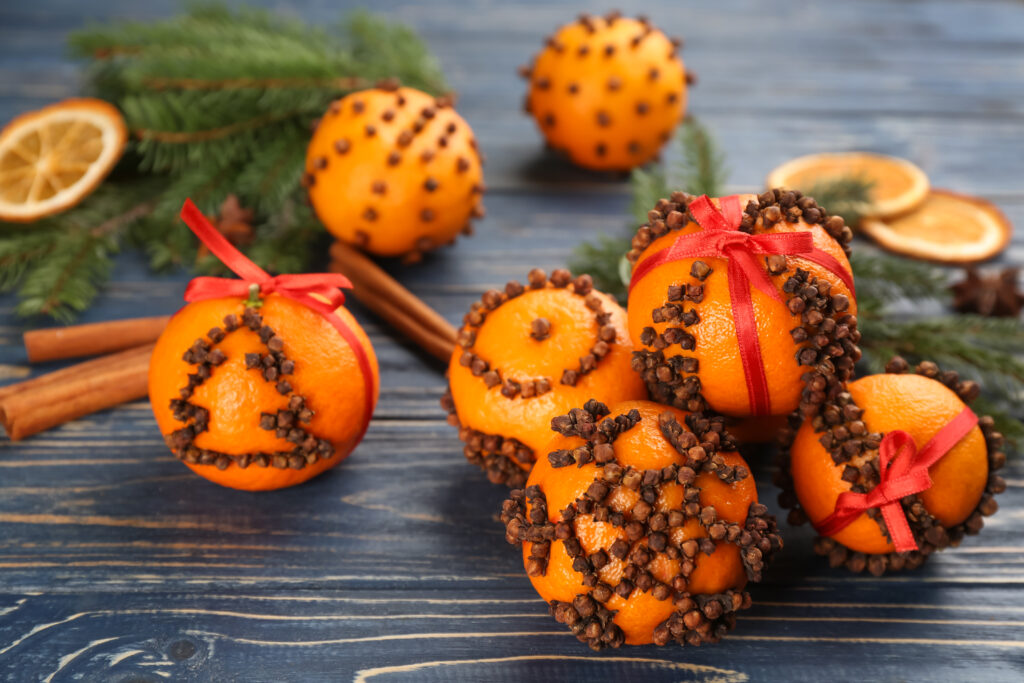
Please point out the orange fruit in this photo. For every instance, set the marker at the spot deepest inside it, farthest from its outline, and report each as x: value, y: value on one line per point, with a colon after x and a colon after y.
x: 279, y: 390
x: 394, y: 171
x: 897, y: 186
x: 643, y: 532
x: 919, y: 406
x: 682, y: 321
x: 528, y: 354
x: 607, y: 91
x: 52, y: 158
x: 948, y: 227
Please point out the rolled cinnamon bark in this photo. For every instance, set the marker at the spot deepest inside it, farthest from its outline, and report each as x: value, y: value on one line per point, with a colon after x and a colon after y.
x: 30, y: 407
x: 92, y: 339
x: 393, y: 302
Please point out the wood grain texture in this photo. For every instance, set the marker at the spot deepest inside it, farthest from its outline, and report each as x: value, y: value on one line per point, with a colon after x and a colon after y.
x: 117, y: 564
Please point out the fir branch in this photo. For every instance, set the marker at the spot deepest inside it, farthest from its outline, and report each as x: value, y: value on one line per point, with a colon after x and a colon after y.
x: 58, y: 263
x: 220, y: 101
x: 21, y: 250
x: 883, y: 279
x: 285, y: 239
x: 846, y: 196
x: 217, y: 84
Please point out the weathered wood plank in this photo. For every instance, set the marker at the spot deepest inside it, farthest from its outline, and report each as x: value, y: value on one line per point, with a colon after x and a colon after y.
x: 118, y: 564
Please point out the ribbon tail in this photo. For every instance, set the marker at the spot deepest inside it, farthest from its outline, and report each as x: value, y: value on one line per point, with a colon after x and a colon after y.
x: 755, y: 273
x: 899, y: 529
x: 219, y: 245
x: 746, y: 339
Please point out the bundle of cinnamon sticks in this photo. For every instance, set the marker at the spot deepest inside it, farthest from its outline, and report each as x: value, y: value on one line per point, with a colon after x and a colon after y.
x: 120, y: 372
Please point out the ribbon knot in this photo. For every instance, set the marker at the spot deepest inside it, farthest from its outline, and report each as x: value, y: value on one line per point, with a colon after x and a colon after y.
x: 320, y: 292
x: 902, y: 472
x: 721, y: 238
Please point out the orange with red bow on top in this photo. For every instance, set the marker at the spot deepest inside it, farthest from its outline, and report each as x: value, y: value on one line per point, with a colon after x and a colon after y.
x: 734, y: 301
x: 261, y: 382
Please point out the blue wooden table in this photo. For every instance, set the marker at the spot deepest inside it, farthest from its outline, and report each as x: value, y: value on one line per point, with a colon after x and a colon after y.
x: 117, y: 564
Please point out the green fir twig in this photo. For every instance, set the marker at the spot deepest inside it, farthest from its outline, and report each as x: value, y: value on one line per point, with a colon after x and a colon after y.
x: 846, y: 196
x: 219, y: 101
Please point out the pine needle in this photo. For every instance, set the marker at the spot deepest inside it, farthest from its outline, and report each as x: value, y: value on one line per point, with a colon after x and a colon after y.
x: 846, y: 196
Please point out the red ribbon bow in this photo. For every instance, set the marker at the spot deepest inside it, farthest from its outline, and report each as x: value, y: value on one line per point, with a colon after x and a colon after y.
x: 297, y: 287
x: 721, y: 238
x: 903, y: 471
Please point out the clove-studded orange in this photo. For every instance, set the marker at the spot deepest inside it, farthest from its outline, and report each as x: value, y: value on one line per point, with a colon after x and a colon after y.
x: 641, y: 525
x: 685, y: 317
x: 259, y: 398
x: 394, y: 171
x: 839, y: 451
x: 527, y: 354
x: 607, y: 91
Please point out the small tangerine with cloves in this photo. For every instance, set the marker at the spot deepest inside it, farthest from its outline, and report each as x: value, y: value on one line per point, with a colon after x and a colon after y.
x: 262, y: 391
x: 641, y: 526
x: 259, y: 398
x: 736, y: 302
x: 527, y: 354
x: 607, y: 91
x: 394, y: 171
x: 840, y: 450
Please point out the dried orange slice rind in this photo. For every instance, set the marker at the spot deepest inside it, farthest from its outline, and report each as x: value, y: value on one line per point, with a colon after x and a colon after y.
x: 898, y: 186
x: 948, y: 227
x: 51, y: 158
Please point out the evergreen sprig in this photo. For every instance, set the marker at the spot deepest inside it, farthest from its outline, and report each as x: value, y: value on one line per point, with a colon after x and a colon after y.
x: 892, y: 291
x: 56, y: 264
x: 218, y: 101
x: 846, y: 196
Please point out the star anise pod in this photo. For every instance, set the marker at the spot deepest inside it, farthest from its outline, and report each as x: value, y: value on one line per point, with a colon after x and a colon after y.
x: 994, y: 294
x: 234, y: 222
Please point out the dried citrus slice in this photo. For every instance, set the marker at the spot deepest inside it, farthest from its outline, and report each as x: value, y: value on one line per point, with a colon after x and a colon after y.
x: 948, y: 227
x: 898, y: 186
x: 51, y: 158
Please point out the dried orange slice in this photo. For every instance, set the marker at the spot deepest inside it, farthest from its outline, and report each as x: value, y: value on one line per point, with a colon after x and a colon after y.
x: 949, y: 227
x: 51, y: 158
x: 898, y: 186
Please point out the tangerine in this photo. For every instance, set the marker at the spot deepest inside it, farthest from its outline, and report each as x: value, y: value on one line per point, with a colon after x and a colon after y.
x: 528, y: 354
x: 394, y: 171
x: 259, y: 398
x: 608, y: 91
x: 683, y: 322
x: 641, y: 526
x: 828, y: 457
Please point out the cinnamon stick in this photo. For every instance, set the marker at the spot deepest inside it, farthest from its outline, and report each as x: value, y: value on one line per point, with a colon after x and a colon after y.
x: 393, y: 302
x: 38, y: 404
x: 92, y: 339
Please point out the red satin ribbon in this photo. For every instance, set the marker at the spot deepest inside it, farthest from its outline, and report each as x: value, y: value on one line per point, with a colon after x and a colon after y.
x: 898, y: 477
x: 298, y: 287
x: 721, y: 238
